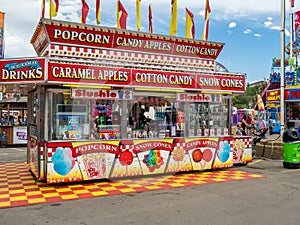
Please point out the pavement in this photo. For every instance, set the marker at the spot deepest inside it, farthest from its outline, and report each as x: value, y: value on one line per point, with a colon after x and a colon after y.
x: 261, y: 192
x: 18, y: 187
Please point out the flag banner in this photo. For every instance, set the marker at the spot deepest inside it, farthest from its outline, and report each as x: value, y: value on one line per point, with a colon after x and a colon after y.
x: 297, y: 27
x: 190, y: 26
x: 292, y: 3
x: 173, y: 25
x: 43, y: 9
x: 121, y: 16
x: 84, y: 11
x: 206, y: 21
x: 150, y: 19
x: 98, y: 12
x: 54, y: 5
x: 138, y: 14
x: 2, y: 14
x: 260, y: 103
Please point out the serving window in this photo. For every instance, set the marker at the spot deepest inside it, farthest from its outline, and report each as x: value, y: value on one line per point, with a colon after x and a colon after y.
x: 127, y: 114
x: 155, y: 116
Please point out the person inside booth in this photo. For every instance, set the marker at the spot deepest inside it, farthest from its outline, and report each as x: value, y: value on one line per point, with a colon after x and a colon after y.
x: 116, y: 118
x: 93, y: 127
x: 142, y: 118
x: 4, y: 120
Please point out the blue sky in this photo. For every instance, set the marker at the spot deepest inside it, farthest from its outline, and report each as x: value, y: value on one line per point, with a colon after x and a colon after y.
x: 250, y: 29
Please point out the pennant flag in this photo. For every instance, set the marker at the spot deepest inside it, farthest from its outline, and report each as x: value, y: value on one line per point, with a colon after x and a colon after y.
x: 43, y: 8
x: 98, y: 12
x: 121, y: 16
x: 260, y: 103
x: 297, y: 27
x: 292, y: 3
x: 84, y: 11
x: 2, y: 15
x: 173, y: 26
x: 150, y: 19
x: 54, y: 4
x: 206, y: 22
x: 190, y: 26
x: 297, y: 20
x: 138, y: 14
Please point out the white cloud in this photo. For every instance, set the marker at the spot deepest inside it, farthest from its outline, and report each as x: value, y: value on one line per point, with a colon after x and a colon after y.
x: 257, y: 35
x: 232, y: 25
x: 275, y: 28
x: 247, y: 31
x: 268, y: 23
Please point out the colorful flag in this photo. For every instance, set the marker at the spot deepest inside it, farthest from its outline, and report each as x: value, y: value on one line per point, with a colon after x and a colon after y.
x: 297, y: 20
x: 121, y: 16
x: 43, y: 8
x: 206, y: 22
x: 260, y: 103
x: 190, y: 26
x: 297, y: 27
x: 2, y: 14
x: 138, y: 14
x: 173, y: 25
x: 98, y: 11
x: 54, y: 4
x: 84, y: 11
x: 292, y: 3
x: 150, y: 19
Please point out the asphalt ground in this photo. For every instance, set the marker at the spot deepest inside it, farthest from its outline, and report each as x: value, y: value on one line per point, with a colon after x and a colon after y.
x: 271, y: 200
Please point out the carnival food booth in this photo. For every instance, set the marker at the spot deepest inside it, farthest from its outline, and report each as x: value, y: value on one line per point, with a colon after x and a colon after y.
x: 115, y: 103
x: 13, y: 111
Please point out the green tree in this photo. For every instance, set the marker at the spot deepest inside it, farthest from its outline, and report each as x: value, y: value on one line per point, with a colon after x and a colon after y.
x: 248, y: 100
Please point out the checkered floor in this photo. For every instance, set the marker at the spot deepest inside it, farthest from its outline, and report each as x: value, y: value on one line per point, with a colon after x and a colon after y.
x: 18, y: 188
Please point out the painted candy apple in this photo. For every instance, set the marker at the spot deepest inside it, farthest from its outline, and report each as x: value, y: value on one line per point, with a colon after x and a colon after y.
x: 126, y: 158
x: 207, y: 155
x: 197, y: 155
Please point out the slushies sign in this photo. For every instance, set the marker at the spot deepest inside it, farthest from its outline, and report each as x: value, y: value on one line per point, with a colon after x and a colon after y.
x: 22, y: 70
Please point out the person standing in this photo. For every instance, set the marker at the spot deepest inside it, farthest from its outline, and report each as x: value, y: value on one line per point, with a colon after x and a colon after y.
x: 244, y: 125
x: 93, y: 127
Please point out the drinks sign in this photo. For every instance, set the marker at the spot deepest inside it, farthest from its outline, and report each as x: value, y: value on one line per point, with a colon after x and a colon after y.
x: 22, y: 70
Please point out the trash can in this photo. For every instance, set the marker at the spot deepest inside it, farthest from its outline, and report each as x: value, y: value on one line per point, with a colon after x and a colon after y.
x: 291, y: 147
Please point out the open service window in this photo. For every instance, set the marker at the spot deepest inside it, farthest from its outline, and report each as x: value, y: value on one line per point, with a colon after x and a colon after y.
x: 69, y: 117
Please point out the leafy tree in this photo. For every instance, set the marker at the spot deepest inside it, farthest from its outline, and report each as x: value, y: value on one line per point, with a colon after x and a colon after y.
x: 249, y: 99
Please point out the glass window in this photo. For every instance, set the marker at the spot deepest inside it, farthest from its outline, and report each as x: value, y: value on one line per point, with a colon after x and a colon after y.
x: 143, y: 115
x: 153, y: 116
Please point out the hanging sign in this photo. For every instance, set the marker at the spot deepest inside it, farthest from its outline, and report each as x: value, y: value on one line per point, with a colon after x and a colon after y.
x: 101, y: 94
x: 198, y: 97
x: 273, y: 95
x: 22, y: 70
